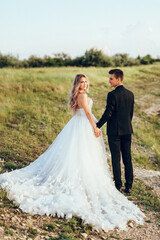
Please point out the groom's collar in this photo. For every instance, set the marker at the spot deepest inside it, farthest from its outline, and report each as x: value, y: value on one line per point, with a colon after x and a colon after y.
x: 119, y: 86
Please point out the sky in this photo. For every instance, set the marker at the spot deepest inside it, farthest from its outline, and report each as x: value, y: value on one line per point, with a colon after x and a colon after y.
x: 46, y: 27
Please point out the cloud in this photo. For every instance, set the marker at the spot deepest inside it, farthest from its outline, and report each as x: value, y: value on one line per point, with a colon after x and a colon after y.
x: 138, y: 29
x: 104, y: 48
x: 138, y: 39
x: 150, y: 29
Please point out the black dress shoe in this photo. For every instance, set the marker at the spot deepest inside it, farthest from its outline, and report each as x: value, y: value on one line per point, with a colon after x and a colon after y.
x: 127, y: 190
x: 119, y: 189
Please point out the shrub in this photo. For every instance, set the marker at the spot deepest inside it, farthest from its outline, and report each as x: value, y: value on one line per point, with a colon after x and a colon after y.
x: 9, y: 232
x: 49, y: 226
x: 10, y: 166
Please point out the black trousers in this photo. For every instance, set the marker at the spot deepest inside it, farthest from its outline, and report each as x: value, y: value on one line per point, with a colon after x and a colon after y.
x: 121, y: 145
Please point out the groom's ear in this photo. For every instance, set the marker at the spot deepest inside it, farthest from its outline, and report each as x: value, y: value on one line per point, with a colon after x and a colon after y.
x: 119, y: 79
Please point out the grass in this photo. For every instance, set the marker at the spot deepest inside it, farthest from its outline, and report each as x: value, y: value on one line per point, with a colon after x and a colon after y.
x: 9, y: 232
x: 63, y: 237
x: 32, y: 233
x: 33, y: 110
x: 73, y: 228
x: 143, y: 195
x: 49, y: 226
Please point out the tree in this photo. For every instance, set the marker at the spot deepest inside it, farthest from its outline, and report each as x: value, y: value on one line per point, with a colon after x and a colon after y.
x: 9, y: 61
x: 63, y: 59
x: 147, y: 59
x: 94, y: 57
x: 34, y: 61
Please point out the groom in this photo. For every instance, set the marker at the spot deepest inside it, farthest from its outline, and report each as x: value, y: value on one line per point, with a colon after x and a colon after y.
x: 118, y: 115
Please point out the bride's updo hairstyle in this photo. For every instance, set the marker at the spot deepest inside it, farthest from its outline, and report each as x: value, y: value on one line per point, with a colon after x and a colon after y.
x: 74, y: 92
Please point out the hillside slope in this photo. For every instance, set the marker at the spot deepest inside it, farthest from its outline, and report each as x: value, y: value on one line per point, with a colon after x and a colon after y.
x: 34, y: 109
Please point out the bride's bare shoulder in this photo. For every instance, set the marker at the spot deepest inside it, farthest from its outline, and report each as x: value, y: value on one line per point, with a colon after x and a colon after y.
x: 82, y: 96
x: 81, y: 99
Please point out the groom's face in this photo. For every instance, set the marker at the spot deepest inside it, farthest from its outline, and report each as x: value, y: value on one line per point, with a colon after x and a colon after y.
x: 113, y: 80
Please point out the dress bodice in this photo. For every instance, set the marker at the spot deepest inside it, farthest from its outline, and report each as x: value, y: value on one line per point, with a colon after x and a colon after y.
x: 81, y: 111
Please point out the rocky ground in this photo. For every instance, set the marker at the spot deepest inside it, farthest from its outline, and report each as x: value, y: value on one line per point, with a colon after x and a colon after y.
x: 150, y: 177
x: 150, y: 229
x: 23, y: 224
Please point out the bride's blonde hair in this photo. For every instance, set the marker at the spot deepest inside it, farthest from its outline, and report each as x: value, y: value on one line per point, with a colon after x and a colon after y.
x: 74, y: 92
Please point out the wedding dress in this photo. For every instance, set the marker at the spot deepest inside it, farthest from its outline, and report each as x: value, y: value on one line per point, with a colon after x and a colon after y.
x: 72, y: 178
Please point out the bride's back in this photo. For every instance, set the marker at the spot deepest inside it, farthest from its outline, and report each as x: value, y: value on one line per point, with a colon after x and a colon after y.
x: 80, y: 99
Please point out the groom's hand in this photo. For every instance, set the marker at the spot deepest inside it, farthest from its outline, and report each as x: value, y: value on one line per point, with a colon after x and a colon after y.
x: 97, y: 132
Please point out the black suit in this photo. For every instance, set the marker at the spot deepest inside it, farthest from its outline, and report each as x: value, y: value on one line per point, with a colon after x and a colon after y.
x: 118, y: 115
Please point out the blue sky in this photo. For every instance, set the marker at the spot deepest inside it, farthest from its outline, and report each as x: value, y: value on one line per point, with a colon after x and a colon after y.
x: 45, y: 27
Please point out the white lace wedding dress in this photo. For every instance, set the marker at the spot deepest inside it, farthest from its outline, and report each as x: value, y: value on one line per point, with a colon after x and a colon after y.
x: 72, y: 178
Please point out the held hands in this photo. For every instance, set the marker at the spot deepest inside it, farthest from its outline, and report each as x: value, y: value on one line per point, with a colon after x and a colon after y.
x: 97, y: 132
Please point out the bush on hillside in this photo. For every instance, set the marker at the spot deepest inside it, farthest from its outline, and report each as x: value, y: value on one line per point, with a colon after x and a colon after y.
x: 92, y: 57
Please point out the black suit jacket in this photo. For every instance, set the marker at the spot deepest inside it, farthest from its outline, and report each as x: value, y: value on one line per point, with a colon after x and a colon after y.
x: 119, y: 112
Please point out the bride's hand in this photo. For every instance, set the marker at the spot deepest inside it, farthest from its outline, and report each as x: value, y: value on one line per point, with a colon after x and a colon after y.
x: 97, y: 132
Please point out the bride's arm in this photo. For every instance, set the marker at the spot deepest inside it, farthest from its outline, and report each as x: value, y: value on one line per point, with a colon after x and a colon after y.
x: 83, y: 99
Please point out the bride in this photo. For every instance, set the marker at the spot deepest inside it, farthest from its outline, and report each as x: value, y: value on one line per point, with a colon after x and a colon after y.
x: 72, y: 178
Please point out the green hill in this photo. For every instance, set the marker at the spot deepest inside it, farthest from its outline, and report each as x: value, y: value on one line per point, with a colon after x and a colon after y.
x: 34, y: 109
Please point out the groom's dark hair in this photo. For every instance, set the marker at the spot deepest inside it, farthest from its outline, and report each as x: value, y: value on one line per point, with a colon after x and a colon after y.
x: 117, y: 72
